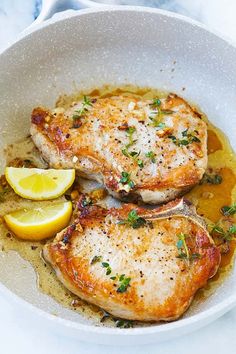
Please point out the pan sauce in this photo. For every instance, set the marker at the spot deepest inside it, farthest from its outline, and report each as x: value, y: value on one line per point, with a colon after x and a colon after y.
x: 208, y: 198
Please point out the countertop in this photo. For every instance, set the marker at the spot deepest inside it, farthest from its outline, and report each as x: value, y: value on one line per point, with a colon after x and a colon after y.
x: 24, y: 337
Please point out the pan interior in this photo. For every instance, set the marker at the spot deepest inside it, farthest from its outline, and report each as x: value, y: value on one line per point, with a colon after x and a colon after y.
x: 88, y: 50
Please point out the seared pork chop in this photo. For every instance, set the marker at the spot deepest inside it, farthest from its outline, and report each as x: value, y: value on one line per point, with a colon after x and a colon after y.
x: 153, y: 150
x: 135, y: 263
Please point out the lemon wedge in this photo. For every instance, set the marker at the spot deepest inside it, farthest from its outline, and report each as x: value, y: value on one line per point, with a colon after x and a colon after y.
x: 39, y: 223
x: 39, y: 184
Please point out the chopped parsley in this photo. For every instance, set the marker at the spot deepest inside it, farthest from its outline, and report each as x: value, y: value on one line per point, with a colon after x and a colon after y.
x: 133, y: 220
x: 228, y: 210
x: 123, y: 283
x: 187, y: 138
x: 151, y: 155
x: 125, y: 179
x: 96, y: 259
x: 107, y: 266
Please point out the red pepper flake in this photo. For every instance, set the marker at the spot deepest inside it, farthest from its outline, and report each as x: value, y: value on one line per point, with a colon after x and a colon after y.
x: 124, y: 126
x: 77, y: 123
x: 38, y: 116
x: 69, y: 231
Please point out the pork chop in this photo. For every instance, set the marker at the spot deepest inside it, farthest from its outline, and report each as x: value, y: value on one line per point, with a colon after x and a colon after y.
x: 154, y: 150
x: 135, y: 263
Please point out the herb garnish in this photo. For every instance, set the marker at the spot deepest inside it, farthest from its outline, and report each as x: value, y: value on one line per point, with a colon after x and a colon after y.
x: 120, y: 323
x: 228, y: 210
x: 151, y: 155
x: 107, y: 266
x: 96, y: 259
x: 123, y: 280
x: 79, y: 113
x: 157, y: 123
x: 86, y: 201
x: 158, y: 114
x: 125, y: 152
x: 156, y: 102
x: 124, y: 283
x: 133, y: 220
x: 183, y: 251
x: 181, y: 245
x: 130, y: 131
x: 125, y: 179
x: 140, y: 163
x: 133, y: 154
x: 211, y: 179
x: 85, y: 105
x: 188, y: 138
x: 225, y: 235
x: 67, y: 234
x: 124, y: 324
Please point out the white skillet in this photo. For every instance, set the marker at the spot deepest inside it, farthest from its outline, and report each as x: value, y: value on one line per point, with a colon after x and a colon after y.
x: 112, y: 45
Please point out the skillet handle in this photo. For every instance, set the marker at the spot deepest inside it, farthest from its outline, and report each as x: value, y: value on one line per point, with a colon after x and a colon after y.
x: 51, y: 7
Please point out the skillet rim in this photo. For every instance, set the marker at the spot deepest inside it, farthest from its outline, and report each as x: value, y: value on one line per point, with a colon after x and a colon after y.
x: 207, y: 315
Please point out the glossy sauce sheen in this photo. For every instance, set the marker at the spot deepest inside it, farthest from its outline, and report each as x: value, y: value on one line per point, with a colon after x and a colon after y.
x: 208, y: 199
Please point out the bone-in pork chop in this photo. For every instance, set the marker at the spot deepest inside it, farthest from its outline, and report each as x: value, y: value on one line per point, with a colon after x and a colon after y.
x: 153, y: 150
x: 135, y: 263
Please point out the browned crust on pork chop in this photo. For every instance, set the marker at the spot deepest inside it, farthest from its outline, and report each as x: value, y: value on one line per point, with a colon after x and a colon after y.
x: 96, y: 146
x: 162, y: 285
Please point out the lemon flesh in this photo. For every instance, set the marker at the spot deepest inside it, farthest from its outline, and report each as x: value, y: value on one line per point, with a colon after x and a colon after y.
x: 39, y: 184
x: 39, y: 223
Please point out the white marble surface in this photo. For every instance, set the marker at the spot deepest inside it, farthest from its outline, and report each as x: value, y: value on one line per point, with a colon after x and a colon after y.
x: 18, y: 336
